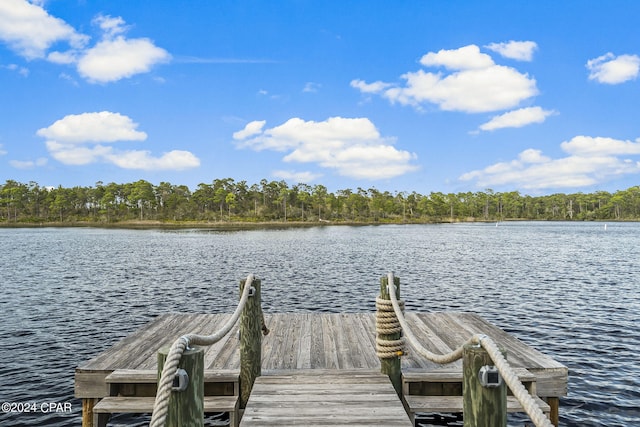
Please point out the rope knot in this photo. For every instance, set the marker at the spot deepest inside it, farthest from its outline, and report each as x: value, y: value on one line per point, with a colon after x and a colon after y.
x: 387, y: 324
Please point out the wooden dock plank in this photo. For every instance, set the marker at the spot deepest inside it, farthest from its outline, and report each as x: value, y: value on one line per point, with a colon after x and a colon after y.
x: 314, y: 341
x: 144, y: 405
x: 454, y: 404
x: 303, y: 357
x: 280, y: 339
x: 162, y: 338
x: 317, y: 356
x: 290, y: 350
x: 150, y: 376
x: 343, y: 345
x: 268, y: 341
x: 319, y: 400
x: 476, y: 325
x: 352, y: 333
x: 330, y: 346
x: 366, y: 339
x: 104, y: 359
x: 428, y: 336
x: 226, y: 354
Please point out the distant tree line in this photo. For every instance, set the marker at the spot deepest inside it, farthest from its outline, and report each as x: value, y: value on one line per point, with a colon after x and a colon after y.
x: 228, y: 200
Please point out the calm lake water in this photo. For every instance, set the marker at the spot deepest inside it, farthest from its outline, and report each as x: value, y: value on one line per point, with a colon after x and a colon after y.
x: 572, y: 290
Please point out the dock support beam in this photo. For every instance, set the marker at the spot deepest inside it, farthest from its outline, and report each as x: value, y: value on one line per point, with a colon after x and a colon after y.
x: 391, y: 366
x: 186, y: 408
x: 554, y: 415
x: 482, y: 406
x: 250, y: 341
x: 87, y: 411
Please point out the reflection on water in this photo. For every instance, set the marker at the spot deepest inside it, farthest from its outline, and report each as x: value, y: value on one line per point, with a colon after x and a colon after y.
x: 569, y: 289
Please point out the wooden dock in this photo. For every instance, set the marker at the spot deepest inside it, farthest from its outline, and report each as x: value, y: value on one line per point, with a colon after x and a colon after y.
x: 337, y: 350
x: 325, y: 398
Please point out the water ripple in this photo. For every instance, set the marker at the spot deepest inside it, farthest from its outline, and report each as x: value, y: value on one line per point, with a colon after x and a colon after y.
x: 570, y: 290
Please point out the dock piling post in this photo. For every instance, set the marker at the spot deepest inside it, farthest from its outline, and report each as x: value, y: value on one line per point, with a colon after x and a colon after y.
x: 391, y: 366
x: 88, y: 417
x: 482, y: 406
x: 250, y: 341
x: 554, y: 415
x: 186, y: 408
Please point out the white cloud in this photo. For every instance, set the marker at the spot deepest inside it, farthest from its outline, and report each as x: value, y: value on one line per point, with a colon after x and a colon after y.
x: 82, y: 139
x: 104, y: 126
x: 110, y: 26
x: 2, y: 150
x: 28, y: 164
x: 69, y: 78
x: 591, y: 160
x: 253, y: 128
x: 311, y: 87
x: 143, y: 160
x: 77, y: 155
x: 115, y: 57
x: 30, y: 31
x: 588, y: 146
x: 69, y: 57
x: 351, y: 146
x: 517, y: 118
x: 23, y: 71
x: 374, y: 87
x: 296, y: 177
x: 532, y: 155
x: 476, y: 84
x: 613, y: 70
x: 520, y: 51
x: 112, y: 60
x: 464, y: 58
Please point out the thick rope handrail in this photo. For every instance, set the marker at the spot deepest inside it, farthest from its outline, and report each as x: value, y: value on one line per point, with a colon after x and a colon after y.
x: 509, y: 377
x: 387, y: 324
x: 161, y: 404
x: 513, y: 382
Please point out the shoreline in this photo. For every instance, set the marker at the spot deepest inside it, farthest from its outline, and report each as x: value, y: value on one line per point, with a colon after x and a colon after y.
x: 247, y: 225
x: 223, y: 225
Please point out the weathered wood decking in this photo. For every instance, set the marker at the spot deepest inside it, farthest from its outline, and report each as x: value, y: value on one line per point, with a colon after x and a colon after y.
x: 330, y: 398
x: 301, y: 342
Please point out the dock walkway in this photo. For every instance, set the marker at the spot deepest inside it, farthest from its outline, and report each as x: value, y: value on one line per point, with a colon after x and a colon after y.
x: 332, y: 344
x: 323, y: 399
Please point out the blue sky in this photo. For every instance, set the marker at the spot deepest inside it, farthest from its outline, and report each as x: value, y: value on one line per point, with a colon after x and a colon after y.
x: 452, y: 96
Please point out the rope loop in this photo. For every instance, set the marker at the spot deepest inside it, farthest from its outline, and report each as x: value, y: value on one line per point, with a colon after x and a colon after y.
x: 509, y: 376
x: 161, y: 404
x: 387, y: 324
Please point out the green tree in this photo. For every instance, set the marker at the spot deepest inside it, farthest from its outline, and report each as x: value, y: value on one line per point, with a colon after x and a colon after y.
x: 142, y: 196
x: 230, y: 200
x: 204, y: 198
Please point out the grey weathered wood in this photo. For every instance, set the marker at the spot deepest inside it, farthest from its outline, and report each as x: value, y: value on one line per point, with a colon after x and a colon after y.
x: 186, y: 408
x: 391, y: 366
x: 90, y: 376
x: 454, y: 404
x: 250, y: 341
x: 149, y: 376
x: 439, y: 332
x: 414, y: 379
x: 366, y: 399
x: 142, y: 405
x: 135, y: 382
x: 482, y: 406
